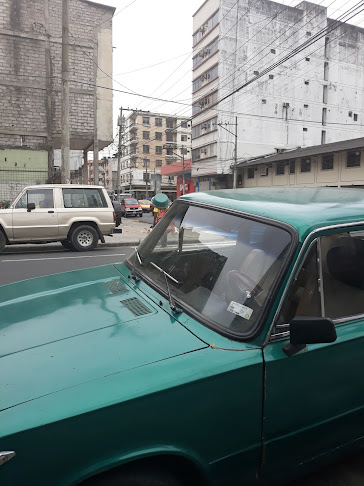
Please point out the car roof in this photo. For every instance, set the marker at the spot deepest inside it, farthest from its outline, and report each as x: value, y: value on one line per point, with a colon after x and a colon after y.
x: 64, y: 186
x: 304, y: 208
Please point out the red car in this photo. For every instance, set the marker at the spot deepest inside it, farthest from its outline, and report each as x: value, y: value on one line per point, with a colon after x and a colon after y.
x: 131, y: 207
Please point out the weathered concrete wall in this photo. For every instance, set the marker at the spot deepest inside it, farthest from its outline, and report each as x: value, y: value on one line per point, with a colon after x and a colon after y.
x: 26, y: 29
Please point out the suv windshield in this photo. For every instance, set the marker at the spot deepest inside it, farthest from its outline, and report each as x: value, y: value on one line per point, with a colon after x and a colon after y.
x: 129, y: 202
x: 222, y: 265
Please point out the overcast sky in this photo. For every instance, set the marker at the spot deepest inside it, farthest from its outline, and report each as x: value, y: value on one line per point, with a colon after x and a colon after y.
x: 152, y: 42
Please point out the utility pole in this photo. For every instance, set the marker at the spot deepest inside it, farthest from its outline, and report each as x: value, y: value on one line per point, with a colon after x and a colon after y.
x: 236, y: 153
x: 96, y: 131
x: 146, y: 178
x: 183, y: 170
x: 65, y: 142
x: 120, y: 122
x: 235, y: 168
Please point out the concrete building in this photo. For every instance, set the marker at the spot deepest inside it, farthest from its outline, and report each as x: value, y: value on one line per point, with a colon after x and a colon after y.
x: 149, y: 142
x: 338, y: 164
x: 316, y: 97
x: 30, y: 77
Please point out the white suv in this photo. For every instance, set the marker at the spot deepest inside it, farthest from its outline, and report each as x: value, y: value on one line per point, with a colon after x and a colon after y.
x: 77, y: 216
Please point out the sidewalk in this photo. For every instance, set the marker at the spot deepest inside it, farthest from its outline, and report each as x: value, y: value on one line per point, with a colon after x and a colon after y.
x: 133, y: 230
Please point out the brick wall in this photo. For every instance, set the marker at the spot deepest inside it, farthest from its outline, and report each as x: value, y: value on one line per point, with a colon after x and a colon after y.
x: 23, y: 82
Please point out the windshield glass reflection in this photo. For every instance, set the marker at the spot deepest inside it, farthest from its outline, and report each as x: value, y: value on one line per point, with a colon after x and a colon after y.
x: 222, y: 265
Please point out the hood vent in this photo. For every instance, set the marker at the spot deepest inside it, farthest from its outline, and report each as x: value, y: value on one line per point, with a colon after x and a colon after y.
x: 136, y: 307
x: 115, y: 287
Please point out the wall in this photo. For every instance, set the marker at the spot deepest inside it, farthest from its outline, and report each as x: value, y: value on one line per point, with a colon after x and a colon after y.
x: 339, y: 176
x: 19, y: 168
x: 30, y: 73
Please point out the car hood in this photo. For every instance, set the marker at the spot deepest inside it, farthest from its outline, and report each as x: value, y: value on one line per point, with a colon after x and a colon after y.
x: 62, y: 330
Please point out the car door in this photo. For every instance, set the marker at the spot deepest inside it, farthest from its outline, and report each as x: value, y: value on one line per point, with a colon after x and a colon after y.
x: 314, y: 399
x: 40, y: 223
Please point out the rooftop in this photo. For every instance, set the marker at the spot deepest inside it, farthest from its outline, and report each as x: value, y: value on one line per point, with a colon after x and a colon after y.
x: 306, y: 208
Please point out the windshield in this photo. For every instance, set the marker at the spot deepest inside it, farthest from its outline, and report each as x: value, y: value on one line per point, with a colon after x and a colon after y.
x: 223, y: 266
x: 131, y: 201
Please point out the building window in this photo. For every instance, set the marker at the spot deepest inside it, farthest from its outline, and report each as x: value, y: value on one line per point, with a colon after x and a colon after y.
x: 353, y: 159
x: 184, y: 124
x: 158, y: 135
x: 307, y: 58
x: 158, y: 150
x: 158, y: 122
x: 271, y: 76
x: 158, y: 163
x: 146, y: 120
x: 307, y: 82
x: 292, y: 166
x: 327, y: 162
x: 146, y: 162
x: 183, y: 138
x: 145, y: 149
x: 305, y: 165
x: 305, y: 129
x: 280, y: 168
x: 355, y: 117
x: 184, y: 151
x: 305, y: 106
x: 145, y: 135
x: 169, y: 124
x: 273, y: 51
x: 251, y: 173
x: 323, y: 137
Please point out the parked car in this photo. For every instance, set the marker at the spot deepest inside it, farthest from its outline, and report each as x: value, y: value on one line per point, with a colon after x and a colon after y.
x: 77, y: 216
x: 227, y: 349
x: 145, y: 204
x: 131, y: 207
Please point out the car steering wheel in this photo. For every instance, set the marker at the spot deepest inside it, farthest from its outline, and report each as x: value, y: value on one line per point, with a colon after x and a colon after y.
x: 239, y: 285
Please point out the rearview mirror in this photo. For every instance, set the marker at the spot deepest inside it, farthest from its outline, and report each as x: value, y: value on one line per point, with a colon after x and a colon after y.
x: 309, y: 330
x: 30, y: 207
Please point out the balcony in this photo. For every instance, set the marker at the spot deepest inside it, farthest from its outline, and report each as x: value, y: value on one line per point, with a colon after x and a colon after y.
x: 133, y: 140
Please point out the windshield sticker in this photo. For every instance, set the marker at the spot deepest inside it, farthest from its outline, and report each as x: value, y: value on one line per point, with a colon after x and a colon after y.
x: 240, y: 310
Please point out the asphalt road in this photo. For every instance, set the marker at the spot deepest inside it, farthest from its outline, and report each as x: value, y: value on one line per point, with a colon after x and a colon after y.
x: 15, y: 266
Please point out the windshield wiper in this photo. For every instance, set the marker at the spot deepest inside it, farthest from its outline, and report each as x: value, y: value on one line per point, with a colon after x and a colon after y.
x: 172, y: 304
x: 133, y: 274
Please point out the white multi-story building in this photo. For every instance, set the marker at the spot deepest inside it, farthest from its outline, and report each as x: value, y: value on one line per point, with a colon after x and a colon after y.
x: 316, y: 97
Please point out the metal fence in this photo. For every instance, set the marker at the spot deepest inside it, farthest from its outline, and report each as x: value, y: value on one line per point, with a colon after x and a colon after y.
x: 12, y: 181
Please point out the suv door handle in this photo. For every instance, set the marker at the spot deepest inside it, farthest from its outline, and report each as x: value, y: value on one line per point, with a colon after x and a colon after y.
x: 50, y: 211
x: 5, y: 456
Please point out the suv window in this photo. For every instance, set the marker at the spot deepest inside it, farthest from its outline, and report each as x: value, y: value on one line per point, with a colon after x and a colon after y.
x: 83, y: 198
x: 42, y: 198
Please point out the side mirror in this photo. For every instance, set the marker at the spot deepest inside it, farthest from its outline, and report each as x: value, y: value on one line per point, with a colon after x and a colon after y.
x: 309, y: 330
x: 30, y: 207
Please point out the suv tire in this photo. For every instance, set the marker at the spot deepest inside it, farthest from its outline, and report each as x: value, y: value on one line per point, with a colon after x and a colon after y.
x: 84, y: 238
x: 2, y: 241
x: 68, y: 245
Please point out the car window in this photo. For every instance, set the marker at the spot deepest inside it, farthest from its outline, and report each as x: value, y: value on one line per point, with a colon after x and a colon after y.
x: 42, y: 198
x: 22, y: 203
x: 83, y: 198
x: 221, y: 266
x: 304, y: 296
x: 343, y: 274
x: 131, y: 201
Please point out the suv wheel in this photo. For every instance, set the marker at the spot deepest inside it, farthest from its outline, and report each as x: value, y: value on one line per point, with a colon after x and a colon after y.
x: 84, y: 238
x: 2, y: 241
x: 67, y: 244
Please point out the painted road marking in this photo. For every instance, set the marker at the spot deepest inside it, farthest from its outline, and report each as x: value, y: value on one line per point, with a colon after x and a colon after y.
x: 62, y: 258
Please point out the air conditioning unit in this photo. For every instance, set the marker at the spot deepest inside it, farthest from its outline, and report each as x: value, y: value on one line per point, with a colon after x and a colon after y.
x: 203, y: 151
x: 263, y: 170
x: 204, y: 127
x: 285, y: 105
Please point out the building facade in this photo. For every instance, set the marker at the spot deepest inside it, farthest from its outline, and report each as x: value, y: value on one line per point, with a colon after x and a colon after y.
x: 316, y: 97
x: 31, y: 74
x: 339, y: 164
x: 149, y: 142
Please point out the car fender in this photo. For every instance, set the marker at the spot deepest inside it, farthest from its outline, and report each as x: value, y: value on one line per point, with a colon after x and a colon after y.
x: 156, y: 452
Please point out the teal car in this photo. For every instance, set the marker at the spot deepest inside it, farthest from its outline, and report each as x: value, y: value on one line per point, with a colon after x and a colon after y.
x: 227, y: 349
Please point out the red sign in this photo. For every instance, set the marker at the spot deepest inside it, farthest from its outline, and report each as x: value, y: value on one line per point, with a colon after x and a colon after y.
x: 189, y: 187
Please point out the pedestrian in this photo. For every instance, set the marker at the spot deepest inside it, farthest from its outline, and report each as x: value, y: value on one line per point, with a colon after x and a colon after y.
x: 161, y: 204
